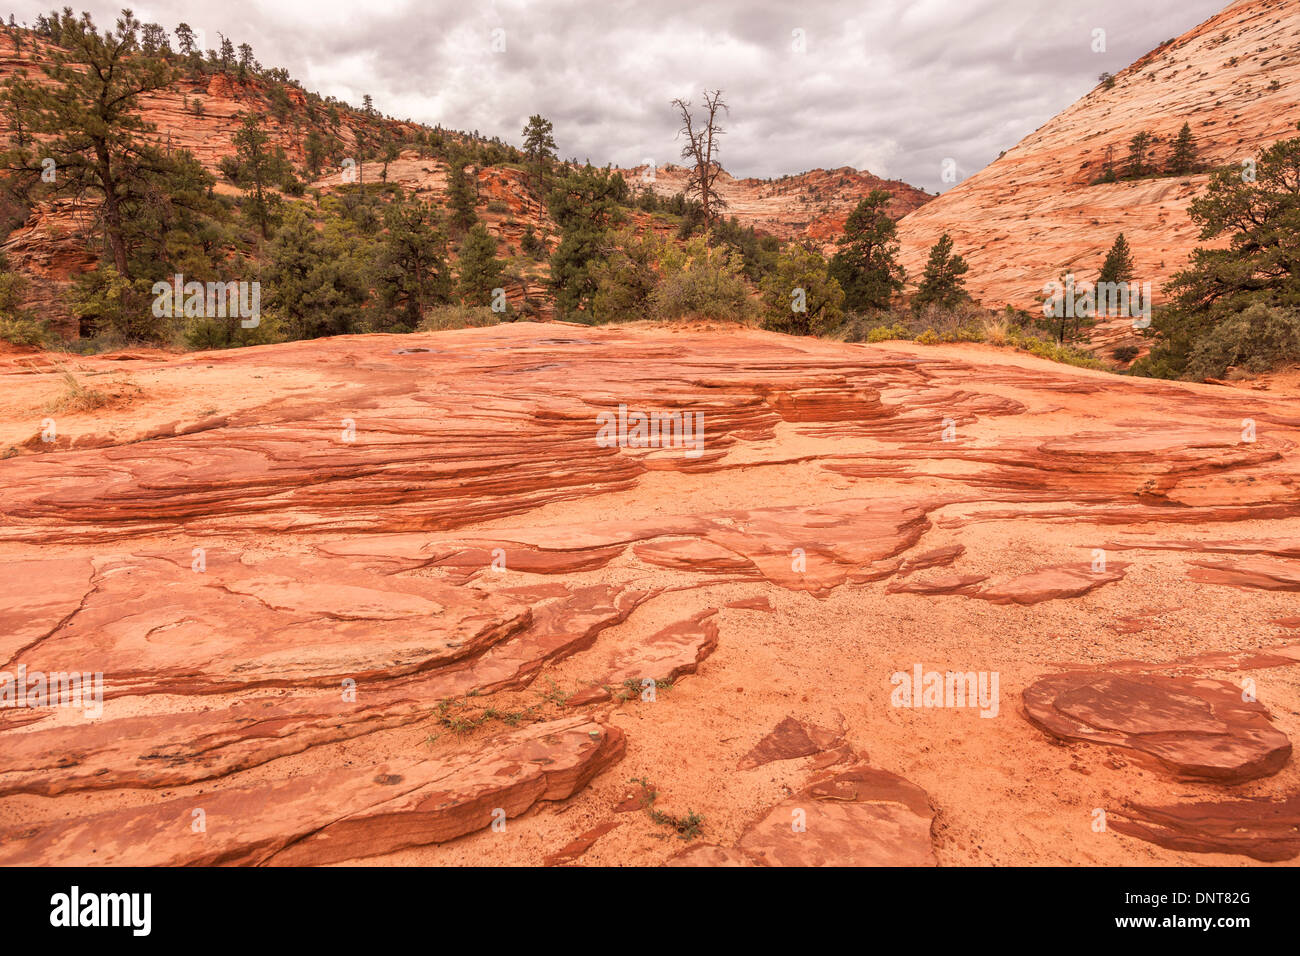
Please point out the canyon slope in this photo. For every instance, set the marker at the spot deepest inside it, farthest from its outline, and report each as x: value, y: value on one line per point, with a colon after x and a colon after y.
x: 1035, y: 213
x: 416, y: 600
x: 813, y: 204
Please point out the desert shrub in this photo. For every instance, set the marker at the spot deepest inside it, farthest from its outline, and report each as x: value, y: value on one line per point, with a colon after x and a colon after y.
x: 1055, y: 351
x: 799, y: 296
x: 962, y: 322
x: 76, y: 397
x: 1256, y: 339
x: 229, y: 333
x: 996, y: 329
x: 701, y: 282
x: 626, y: 278
x: 17, y: 325
x: 1125, y: 353
x: 24, y: 330
x: 112, y: 304
x: 884, y: 333
x: 446, y: 317
x: 498, y: 207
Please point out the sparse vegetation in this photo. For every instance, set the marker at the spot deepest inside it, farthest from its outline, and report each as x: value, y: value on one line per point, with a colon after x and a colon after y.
x: 686, y: 827
x: 76, y: 397
x: 1235, y: 306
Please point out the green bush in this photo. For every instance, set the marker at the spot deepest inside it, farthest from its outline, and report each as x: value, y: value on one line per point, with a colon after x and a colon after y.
x: 24, y: 330
x: 884, y: 333
x: 119, y: 306
x: 701, y: 282
x: 17, y: 325
x: 1256, y: 339
x: 229, y: 333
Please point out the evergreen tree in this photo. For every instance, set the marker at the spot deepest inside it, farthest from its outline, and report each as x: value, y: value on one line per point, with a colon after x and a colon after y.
x: 227, y: 54
x: 87, y: 116
x: 480, y: 270
x: 1260, y: 265
x: 315, y: 152
x: 259, y: 168
x: 942, y: 283
x: 186, y: 38
x: 1182, y: 159
x: 316, y: 280
x: 1138, y: 148
x: 530, y: 244
x: 1118, y: 266
x: 865, y: 266
x: 539, y: 145
x: 584, y: 204
x: 411, y: 272
x: 462, y: 195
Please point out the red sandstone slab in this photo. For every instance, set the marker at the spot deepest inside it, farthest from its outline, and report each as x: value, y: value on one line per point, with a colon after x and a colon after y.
x: 1260, y: 828
x: 1196, y: 728
x: 335, y: 815
x: 1051, y: 584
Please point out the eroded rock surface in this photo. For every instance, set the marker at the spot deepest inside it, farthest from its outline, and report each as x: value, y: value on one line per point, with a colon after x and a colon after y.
x: 281, y: 615
x: 1199, y: 729
x: 1262, y: 829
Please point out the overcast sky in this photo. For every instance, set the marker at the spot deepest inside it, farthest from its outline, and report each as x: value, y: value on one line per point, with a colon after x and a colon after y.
x: 891, y: 86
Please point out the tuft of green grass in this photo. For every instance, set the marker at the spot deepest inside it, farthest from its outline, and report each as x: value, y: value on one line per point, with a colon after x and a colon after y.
x: 687, y: 828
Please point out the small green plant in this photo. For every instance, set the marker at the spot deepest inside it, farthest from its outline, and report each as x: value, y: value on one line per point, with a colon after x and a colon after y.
x: 686, y: 828
x: 555, y: 696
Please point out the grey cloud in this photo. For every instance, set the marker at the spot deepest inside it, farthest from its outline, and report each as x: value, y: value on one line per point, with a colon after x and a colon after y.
x: 898, y: 85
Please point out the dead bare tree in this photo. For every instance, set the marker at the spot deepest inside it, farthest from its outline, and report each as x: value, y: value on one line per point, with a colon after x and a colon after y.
x: 701, y: 149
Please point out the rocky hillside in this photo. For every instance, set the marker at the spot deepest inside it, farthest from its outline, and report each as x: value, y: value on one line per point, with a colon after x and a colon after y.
x: 1038, y: 210
x: 813, y: 204
x: 55, y: 240
x: 200, y: 114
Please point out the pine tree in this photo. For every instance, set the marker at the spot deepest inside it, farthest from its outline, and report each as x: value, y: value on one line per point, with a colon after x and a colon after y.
x: 1138, y: 147
x: 87, y: 117
x: 186, y: 38
x: 227, y: 54
x: 259, y: 169
x: 865, y: 265
x: 462, y: 195
x: 539, y: 144
x: 479, y: 270
x: 1118, y: 266
x: 411, y: 272
x: 942, y: 283
x: 1182, y: 158
x: 584, y: 204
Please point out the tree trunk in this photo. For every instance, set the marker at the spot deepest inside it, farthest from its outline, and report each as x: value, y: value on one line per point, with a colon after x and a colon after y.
x: 112, y: 211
